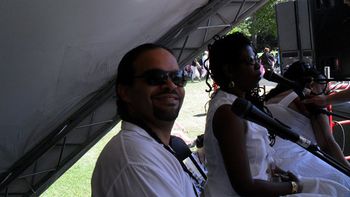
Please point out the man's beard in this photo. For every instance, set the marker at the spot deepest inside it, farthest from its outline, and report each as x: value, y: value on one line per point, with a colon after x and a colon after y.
x: 166, y: 115
x: 170, y: 114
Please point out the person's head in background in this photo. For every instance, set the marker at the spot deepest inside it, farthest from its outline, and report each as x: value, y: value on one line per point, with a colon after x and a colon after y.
x: 305, y: 75
x: 266, y: 50
x: 149, y: 86
x: 233, y: 64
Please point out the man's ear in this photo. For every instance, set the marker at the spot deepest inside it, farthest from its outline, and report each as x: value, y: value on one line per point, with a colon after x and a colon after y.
x: 123, y: 92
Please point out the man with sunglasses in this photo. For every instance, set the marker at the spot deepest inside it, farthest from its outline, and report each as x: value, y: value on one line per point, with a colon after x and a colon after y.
x: 139, y: 161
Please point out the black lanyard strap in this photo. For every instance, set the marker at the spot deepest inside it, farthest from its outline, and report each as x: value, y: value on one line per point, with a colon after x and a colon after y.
x: 168, y: 148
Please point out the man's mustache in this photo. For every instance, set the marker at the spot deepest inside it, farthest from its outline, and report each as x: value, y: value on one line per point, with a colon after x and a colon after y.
x: 167, y: 91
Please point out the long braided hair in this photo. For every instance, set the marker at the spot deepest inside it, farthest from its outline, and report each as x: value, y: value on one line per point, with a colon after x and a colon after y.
x: 225, y: 50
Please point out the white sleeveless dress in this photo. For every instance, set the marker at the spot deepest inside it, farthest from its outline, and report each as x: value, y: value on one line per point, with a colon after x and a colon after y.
x: 259, y: 155
x: 292, y: 157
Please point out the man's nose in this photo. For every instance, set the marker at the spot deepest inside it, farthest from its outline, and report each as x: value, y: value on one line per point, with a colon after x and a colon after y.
x: 170, y: 84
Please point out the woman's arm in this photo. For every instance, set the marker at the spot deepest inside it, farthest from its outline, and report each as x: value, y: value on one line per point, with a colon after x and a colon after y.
x: 230, y: 131
x: 324, y: 138
x: 322, y: 131
x: 323, y: 100
x: 339, y: 97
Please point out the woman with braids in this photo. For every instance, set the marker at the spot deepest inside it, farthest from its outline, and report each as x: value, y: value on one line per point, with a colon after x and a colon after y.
x: 239, y: 157
x: 286, y: 106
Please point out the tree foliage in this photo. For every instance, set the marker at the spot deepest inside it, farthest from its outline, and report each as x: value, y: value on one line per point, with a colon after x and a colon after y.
x: 261, y: 26
x: 243, y: 27
x: 264, y: 20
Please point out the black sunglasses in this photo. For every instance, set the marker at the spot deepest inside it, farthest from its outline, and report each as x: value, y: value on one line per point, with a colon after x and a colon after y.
x: 156, y: 77
x: 252, y: 61
x: 322, y: 80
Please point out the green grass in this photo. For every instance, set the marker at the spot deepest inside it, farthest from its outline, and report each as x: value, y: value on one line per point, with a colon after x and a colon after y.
x: 76, y: 181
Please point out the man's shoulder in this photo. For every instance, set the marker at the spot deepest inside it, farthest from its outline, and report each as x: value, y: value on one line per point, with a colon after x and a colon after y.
x: 127, y: 142
x: 137, y: 140
x: 125, y: 149
x: 141, y: 147
x: 132, y: 147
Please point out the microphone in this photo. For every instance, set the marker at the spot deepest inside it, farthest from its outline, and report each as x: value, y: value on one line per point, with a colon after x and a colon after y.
x: 301, y: 92
x: 271, y: 76
x: 248, y: 111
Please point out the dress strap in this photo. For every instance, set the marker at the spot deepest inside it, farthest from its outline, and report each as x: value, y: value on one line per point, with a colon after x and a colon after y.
x: 288, y: 99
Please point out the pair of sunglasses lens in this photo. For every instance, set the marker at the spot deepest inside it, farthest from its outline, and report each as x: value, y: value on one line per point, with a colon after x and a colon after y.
x: 323, y: 84
x: 156, y: 77
x: 253, y: 61
x: 322, y: 90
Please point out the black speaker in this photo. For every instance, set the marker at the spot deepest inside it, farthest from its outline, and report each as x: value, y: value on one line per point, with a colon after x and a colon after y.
x: 294, y: 32
x: 331, y: 35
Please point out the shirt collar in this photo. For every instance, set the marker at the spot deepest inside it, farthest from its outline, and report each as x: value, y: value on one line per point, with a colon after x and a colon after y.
x: 128, y: 126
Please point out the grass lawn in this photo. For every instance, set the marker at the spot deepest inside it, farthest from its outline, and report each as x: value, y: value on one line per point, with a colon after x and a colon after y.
x: 76, y: 181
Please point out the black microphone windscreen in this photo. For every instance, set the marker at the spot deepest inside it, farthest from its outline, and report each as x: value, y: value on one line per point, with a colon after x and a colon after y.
x: 248, y: 111
x: 268, y: 74
x: 241, y: 107
x: 271, y: 76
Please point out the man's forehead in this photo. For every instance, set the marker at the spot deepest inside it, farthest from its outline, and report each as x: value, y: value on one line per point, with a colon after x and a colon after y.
x: 155, y: 59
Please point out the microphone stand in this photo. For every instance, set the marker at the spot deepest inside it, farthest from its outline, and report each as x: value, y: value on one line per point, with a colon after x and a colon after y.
x: 248, y: 111
x: 328, y: 113
x: 315, y: 150
x: 301, y: 95
x: 303, y: 142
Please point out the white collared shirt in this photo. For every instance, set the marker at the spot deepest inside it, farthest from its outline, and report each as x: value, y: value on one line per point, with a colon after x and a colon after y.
x: 134, y: 164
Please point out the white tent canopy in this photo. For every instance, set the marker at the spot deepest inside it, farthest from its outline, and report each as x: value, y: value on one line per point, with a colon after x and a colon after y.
x: 58, y: 61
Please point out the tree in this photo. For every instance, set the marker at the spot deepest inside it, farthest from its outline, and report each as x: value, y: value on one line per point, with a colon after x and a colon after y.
x: 261, y: 26
x: 242, y: 27
x: 264, y: 20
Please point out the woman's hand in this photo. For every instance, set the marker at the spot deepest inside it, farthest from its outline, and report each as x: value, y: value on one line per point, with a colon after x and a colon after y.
x: 320, y: 100
x: 297, y: 187
x: 293, y: 178
x: 301, y: 107
x: 280, y: 175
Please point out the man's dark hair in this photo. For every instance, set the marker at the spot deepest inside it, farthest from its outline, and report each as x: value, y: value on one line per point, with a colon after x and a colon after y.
x: 226, y: 50
x: 126, y: 71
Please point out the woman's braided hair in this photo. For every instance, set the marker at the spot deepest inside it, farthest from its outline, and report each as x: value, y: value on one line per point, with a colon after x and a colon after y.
x: 225, y: 50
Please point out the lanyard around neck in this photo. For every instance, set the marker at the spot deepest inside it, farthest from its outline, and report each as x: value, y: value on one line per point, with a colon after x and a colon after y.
x: 169, y: 149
